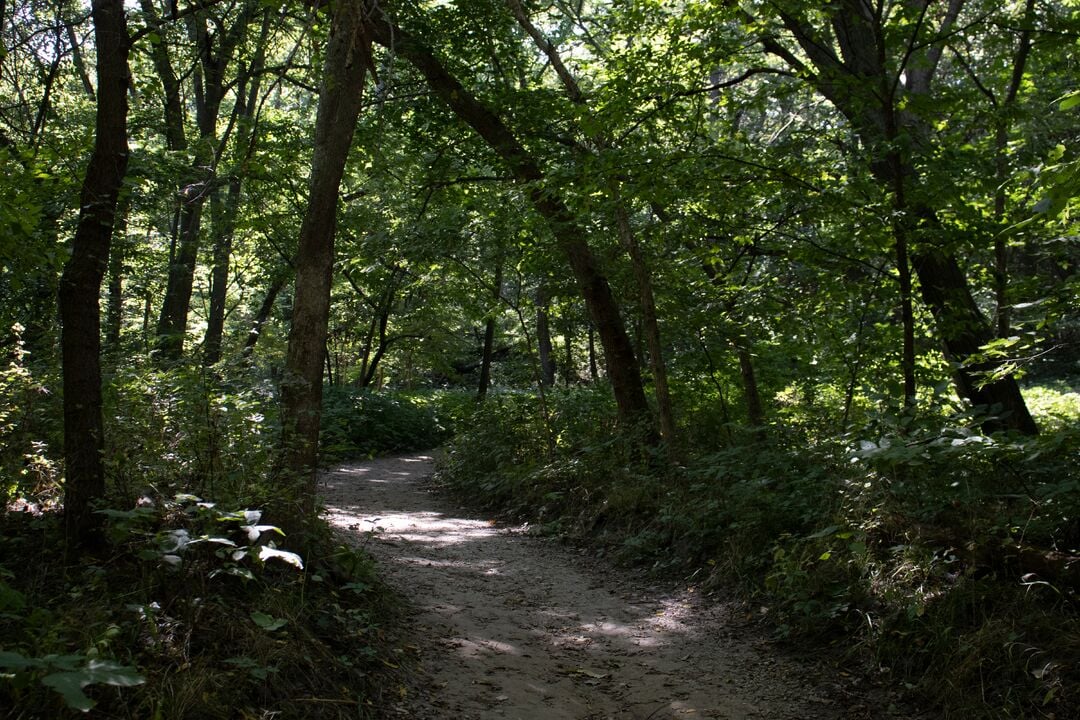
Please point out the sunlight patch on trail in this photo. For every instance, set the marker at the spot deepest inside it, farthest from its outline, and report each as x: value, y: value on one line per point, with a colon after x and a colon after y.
x: 427, y: 528
x: 655, y: 629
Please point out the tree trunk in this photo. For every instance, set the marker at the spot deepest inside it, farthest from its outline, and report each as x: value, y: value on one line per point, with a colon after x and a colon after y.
x: 489, y: 335
x: 848, y: 79
x: 80, y: 285
x: 263, y: 313
x: 755, y: 413
x: 114, y: 308
x: 651, y: 325
x: 175, y: 138
x: 172, y: 323
x: 348, y: 55
x: 570, y: 374
x: 224, y: 215
x: 543, y: 339
x: 209, y: 90
x: 594, y: 371
x: 964, y: 331
x: 1001, y: 172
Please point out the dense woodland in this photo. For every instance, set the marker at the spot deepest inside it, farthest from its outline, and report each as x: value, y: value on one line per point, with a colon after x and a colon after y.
x: 777, y: 295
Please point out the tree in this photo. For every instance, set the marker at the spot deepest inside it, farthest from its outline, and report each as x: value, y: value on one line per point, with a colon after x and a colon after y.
x: 621, y: 363
x: 874, y: 68
x: 215, y: 52
x: 347, y: 60
x: 80, y: 285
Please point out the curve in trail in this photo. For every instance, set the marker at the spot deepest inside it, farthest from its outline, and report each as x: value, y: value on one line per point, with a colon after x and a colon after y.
x: 519, y: 627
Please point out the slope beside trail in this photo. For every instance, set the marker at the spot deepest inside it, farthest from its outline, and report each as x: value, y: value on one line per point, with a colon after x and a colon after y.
x: 514, y: 626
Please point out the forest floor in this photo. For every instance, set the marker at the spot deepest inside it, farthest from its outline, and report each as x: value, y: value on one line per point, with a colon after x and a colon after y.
x: 510, y: 625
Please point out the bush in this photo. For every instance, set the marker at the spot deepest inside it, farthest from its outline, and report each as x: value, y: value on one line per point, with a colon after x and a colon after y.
x: 359, y: 423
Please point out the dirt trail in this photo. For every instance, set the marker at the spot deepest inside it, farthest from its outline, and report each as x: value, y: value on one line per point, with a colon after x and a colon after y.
x: 514, y: 626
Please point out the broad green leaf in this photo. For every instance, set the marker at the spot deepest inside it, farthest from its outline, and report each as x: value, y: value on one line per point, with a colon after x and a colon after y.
x: 268, y: 622
x: 70, y: 684
x: 15, y: 661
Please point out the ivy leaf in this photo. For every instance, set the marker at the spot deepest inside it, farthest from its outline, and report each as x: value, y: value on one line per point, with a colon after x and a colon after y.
x: 15, y: 661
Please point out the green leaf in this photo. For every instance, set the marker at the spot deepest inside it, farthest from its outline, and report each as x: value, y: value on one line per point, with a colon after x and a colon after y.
x: 357, y: 587
x: 15, y: 661
x: 823, y: 532
x: 70, y: 684
x: 10, y: 598
x: 268, y: 622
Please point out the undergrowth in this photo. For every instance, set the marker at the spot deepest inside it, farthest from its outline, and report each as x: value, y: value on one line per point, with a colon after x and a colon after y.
x: 924, y: 548
x: 364, y: 423
x: 191, y: 607
x: 187, y: 611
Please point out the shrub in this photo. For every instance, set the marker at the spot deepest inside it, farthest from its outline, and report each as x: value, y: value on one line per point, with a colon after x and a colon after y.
x: 358, y: 423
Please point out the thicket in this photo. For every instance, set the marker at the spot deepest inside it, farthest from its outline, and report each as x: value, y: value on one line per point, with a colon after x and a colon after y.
x: 191, y: 606
x: 914, y: 545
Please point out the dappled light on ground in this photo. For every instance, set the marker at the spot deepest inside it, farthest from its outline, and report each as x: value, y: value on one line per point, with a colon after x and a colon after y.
x: 429, y: 528
x: 513, y: 626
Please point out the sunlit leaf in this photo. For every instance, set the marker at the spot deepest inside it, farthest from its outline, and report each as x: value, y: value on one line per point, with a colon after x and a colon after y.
x: 267, y: 553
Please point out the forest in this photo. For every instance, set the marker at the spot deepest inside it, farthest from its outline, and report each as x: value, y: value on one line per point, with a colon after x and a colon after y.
x: 776, y: 299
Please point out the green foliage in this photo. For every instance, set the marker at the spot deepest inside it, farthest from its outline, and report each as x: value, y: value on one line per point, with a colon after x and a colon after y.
x: 201, y: 603
x: 358, y: 423
x: 924, y: 545
x: 185, y: 429
x: 68, y: 675
x: 28, y: 430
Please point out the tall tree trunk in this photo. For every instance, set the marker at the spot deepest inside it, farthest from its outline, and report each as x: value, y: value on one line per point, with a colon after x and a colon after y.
x: 964, y: 332
x: 172, y: 323
x: 633, y: 408
x: 224, y: 214
x: 851, y: 76
x: 348, y: 55
x: 489, y: 334
x: 594, y: 371
x: 543, y: 339
x: 570, y: 374
x: 80, y: 285
x: 1001, y: 171
x: 755, y: 413
x: 651, y: 326
x: 175, y: 138
x: 114, y: 307
x: 214, y: 51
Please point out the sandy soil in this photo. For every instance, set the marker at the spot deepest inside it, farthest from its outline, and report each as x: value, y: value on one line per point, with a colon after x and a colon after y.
x: 514, y: 626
